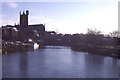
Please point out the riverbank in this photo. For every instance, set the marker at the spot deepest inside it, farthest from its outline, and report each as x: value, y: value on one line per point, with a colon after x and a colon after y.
x: 98, y: 50
x: 8, y: 47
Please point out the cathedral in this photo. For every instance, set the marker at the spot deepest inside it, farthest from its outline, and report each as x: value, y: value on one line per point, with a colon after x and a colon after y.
x: 35, y: 31
x: 23, y: 31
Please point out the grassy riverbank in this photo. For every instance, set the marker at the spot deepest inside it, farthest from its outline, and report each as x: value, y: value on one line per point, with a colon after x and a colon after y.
x: 99, y: 50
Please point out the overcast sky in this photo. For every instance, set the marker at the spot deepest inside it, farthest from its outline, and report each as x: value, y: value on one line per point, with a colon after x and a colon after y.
x: 65, y: 17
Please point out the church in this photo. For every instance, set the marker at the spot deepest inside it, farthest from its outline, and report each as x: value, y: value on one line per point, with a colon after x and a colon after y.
x: 24, y: 31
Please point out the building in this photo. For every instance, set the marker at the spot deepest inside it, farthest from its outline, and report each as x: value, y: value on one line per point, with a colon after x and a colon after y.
x: 24, y: 18
x: 9, y: 32
x: 24, y: 31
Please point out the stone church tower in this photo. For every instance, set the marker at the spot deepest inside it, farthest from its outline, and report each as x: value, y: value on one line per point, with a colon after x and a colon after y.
x: 24, y: 18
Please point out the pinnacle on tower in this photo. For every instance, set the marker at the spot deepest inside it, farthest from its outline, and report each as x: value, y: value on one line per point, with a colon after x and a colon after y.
x: 27, y: 12
x: 23, y: 13
x: 20, y: 12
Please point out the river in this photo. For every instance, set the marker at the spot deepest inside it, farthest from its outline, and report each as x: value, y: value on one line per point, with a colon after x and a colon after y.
x: 58, y: 62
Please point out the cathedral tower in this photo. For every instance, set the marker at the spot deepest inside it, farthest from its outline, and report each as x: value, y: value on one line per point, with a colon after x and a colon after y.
x: 24, y: 18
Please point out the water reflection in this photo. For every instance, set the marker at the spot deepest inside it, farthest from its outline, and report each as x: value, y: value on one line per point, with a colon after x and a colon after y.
x: 23, y: 64
x: 96, y: 63
x: 58, y: 62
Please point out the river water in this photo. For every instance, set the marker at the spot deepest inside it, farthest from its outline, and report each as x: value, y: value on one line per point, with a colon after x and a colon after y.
x: 58, y: 62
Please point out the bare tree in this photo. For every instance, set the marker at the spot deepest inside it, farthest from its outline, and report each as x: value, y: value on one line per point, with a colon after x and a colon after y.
x: 94, y: 32
x: 114, y: 34
x: 94, y: 37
